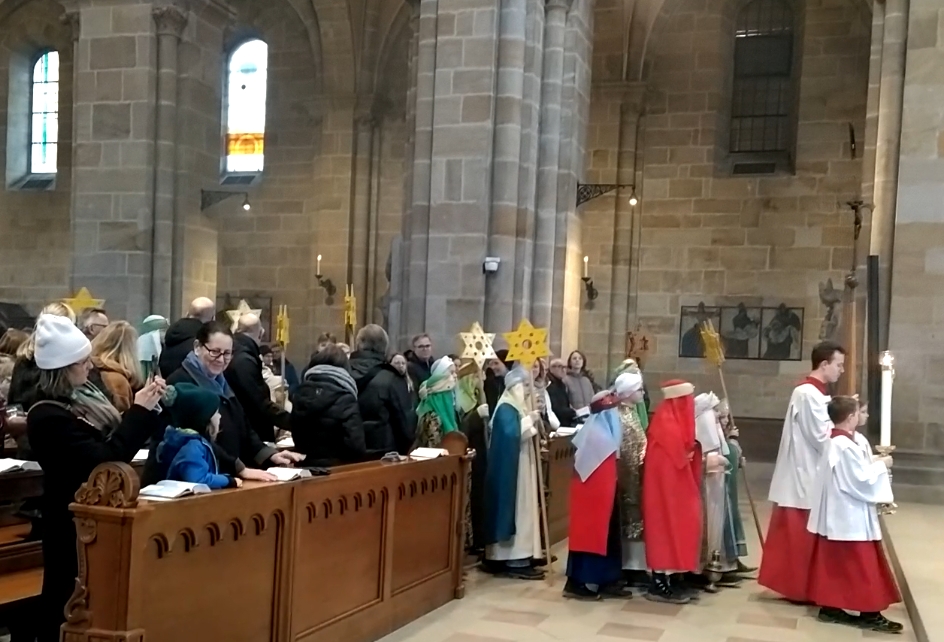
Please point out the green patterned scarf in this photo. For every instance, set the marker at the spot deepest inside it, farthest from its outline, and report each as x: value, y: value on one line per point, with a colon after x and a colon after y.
x: 437, y: 397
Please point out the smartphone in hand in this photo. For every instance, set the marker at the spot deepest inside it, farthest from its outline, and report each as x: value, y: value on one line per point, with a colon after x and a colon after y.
x: 154, y: 368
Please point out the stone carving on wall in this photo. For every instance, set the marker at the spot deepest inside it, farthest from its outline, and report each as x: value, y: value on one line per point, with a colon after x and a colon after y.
x: 831, y: 298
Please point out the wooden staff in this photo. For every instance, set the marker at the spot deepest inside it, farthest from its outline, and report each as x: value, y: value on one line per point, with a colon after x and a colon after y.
x: 545, y: 531
x: 715, y: 354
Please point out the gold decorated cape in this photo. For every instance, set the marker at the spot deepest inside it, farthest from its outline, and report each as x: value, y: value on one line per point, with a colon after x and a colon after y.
x: 629, y: 473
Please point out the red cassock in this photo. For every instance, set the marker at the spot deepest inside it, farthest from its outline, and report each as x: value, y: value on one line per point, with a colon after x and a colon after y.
x: 591, y: 504
x: 851, y: 575
x: 671, y: 488
x: 785, y: 567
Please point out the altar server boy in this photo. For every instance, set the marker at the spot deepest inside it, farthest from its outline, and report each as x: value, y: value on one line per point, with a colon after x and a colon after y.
x: 849, y: 571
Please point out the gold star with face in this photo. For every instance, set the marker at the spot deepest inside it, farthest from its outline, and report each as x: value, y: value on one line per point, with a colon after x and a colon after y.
x: 478, y: 345
x: 527, y: 344
x: 241, y: 310
x: 83, y: 300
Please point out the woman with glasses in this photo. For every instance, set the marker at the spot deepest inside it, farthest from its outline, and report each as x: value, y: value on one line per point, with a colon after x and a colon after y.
x: 237, y: 447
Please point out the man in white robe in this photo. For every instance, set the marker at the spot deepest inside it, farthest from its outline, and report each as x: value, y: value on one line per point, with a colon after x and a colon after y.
x: 512, y: 519
x: 786, y: 562
x: 849, y: 570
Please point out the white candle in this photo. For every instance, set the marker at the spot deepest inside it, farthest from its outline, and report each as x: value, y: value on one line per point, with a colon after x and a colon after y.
x: 318, y: 267
x: 586, y: 266
x: 888, y: 376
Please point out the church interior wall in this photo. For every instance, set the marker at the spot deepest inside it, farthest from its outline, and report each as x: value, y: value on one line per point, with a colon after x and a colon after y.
x: 35, y: 226
x: 707, y: 236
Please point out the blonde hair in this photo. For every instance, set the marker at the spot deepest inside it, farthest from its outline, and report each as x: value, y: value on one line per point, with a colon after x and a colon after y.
x: 118, y: 343
x: 56, y: 308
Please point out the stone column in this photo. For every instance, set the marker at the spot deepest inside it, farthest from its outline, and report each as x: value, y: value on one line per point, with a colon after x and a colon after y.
x: 503, y: 221
x: 113, y: 179
x: 167, y: 232
x: 360, y: 232
x: 891, y: 96
x: 548, y: 162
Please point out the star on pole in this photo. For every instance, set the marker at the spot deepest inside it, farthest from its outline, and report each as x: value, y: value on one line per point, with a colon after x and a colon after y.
x: 83, y: 301
x: 478, y: 345
x: 527, y: 344
x: 241, y: 310
x: 714, y: 352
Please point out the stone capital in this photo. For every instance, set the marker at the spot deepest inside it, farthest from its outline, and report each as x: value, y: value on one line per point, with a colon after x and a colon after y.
x: 558, y: 4
x: 73, y: 19
x: 170, y: 20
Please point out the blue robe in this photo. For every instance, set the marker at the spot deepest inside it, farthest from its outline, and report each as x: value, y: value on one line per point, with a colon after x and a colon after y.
x: 501, y: 477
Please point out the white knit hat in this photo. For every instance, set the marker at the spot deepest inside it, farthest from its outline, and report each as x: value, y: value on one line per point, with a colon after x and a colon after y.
x: 59, y: 343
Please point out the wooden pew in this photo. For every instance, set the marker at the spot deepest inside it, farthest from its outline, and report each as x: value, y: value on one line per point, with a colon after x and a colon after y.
x: 560, y: 470
x: 348, y: 557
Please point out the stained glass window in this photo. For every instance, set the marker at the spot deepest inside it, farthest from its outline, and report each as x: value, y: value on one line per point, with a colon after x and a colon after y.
x: 246, y: 107
x: 762, y: 100
x: 44, y: 114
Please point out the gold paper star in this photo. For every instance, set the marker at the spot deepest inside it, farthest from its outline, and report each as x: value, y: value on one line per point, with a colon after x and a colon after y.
x: 527, y: 344
x: 83, y: 301
x: 237, y: 314
x: 478, y: 345
x: 712, y: 342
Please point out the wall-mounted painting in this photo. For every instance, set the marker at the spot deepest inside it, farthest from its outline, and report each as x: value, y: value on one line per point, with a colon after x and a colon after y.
x: 782, y: 334
x: 227, y: 302
x: 747, y: 332
x: 690, y: 343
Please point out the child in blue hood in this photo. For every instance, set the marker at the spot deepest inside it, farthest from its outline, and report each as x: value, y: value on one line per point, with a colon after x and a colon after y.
x: 185, y: 452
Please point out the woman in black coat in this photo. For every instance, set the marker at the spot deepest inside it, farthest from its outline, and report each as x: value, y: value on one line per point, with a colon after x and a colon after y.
x: 238, y: 448
x: 68, y: 448
x: 326, y: 420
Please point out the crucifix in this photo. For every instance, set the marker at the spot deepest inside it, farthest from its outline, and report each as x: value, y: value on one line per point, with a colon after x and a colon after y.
x: 849, y: 334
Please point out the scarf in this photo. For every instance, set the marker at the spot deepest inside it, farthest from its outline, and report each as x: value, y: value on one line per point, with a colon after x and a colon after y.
x: 467, y: 393
x: 339, y: 375
x: 204, y: 379
x: 90, y: 404
x: 437, y: 397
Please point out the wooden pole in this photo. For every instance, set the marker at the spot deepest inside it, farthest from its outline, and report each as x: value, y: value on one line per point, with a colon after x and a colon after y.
x: 545, y: 531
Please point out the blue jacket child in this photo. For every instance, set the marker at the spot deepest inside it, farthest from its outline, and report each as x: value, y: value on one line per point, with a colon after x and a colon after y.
x: 185, y: 452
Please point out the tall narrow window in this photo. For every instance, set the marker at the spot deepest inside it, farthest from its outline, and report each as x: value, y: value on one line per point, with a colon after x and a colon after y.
x: 762, y: 102
x: 246, y: 108
x: 44, y: 115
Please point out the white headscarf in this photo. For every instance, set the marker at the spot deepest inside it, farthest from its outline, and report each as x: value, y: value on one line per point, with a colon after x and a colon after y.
x: 441, y: 367
x: 627, y: 383
x: 706, y: 421
x: 149, y: 343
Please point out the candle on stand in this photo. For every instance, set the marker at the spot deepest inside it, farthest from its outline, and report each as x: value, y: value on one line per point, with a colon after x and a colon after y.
x: 318, y: 266
x: 586, y: 267
x: 887, y: 362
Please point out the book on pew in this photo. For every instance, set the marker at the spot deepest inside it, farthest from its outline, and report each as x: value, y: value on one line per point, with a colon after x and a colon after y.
x: 429, y: 453
x: 169, y: 489
x: 285, y: 444
x: 289, y: 474
x: 141, y: 457
x: 17, y: 466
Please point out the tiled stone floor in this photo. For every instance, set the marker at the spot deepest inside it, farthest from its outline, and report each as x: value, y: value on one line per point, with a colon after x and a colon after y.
x: 499, y: 610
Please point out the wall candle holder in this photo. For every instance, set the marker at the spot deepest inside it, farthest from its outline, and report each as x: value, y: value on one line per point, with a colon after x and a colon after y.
x: 592, y: 292
x: 326, y: 284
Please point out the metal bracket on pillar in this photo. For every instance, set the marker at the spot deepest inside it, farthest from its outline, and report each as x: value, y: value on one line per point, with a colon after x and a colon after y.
x: 209, y: 198
x: 589, y: 191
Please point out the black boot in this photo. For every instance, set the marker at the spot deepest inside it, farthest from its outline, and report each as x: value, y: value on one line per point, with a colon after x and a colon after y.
x: 660, y: 590
x: 637, y: 579
x: 523, y: 573
x: 743, y: 569
x: 878, y: 622
x: 575, y: 591
x: 836, y: 616
x: 689, y: 585
x: 616, y: 590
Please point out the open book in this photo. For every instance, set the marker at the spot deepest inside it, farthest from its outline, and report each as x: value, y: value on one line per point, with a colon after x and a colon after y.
x: 168, y: 489
x: 17, y: 465
x: 429, y: 453
x: 289, y: 474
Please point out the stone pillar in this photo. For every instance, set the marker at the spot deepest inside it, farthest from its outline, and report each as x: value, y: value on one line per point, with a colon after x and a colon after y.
x: 548, y: 162
x: 503, y: 221
x: 167, y: 232
x: 360, y: 230
x: 891, y: 96
x: 113, y: 179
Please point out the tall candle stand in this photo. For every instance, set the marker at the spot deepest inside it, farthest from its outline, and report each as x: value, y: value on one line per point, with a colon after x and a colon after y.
x: 885, y: 448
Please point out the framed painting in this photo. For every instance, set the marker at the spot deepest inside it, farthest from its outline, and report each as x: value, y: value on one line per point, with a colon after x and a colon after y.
x: 781, y: 335
x: 690, y: 320
x: 740, y: 331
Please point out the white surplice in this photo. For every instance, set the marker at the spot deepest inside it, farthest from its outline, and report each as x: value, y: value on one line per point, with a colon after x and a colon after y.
x: 848, y: 485
x: 714, y: 492
x: 526, y: 543
x: 805, y: 434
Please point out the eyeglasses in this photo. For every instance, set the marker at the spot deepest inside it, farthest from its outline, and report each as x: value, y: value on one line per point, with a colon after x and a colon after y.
x: 425, y: 346
x: 216, y: 354
x: 558, y: 365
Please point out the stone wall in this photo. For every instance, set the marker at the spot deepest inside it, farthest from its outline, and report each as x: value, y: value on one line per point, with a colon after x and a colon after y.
x: 35, y: 227
x: 917, y: 305
x: 707, y: 236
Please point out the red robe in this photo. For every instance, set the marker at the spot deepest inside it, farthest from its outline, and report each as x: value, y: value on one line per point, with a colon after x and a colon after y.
x: 591, y: 504
x: 671, y: 489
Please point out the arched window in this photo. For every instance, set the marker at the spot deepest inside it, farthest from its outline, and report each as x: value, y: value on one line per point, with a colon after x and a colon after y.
x: 246, y: 107
x: 762, y: 102
x: 44, y: 114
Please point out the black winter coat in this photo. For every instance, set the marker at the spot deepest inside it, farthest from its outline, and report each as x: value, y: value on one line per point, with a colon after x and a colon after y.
x: 418, y: 369
x: 68, y: 449
x: 236, y: 445
x: 178, y: 343
x: 244, y: 375
x: 326, y: 421
x: 385, y: 403
x: 560, y: 402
